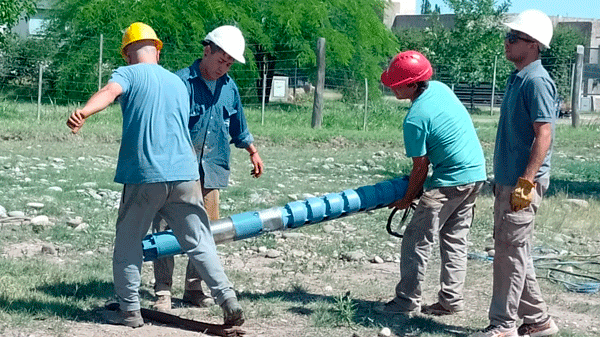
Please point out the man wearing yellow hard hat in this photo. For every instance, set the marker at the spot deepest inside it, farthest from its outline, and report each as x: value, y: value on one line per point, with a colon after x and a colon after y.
x: 216, y: 120
x: 158, y: 169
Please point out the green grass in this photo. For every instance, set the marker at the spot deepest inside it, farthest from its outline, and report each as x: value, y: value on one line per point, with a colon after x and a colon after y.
x: 72, y: 285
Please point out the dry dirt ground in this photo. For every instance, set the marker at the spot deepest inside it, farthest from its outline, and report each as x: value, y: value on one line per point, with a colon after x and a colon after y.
x: 293, y: 321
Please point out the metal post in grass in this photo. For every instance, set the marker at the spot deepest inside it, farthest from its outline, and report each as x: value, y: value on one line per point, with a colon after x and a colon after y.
x: 317, y: 115
x: 493, y: 85
x: 576, y: 99
x: 100, y: 62
x: 264, y: 94
x: 295, y: 77
x: 39, y: 101
x: 366, y: 104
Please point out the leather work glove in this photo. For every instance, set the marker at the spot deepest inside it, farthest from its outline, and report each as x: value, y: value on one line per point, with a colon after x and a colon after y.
x: 522, y: 195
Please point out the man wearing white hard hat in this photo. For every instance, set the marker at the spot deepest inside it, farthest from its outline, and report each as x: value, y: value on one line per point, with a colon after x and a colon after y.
x: 521, y: 176
x: 216, y: 120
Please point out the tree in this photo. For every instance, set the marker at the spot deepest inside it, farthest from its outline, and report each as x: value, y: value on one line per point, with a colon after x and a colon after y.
x: 559, y: 58
x: 12, y: 10
x: 426, y: 8
x: 476, y: 39
x: 357, y: 40
x: 465, y: 52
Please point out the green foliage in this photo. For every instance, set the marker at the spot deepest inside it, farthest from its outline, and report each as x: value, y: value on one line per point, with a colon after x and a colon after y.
x: 357, y: 40
x: 559, y: 58
x: 466, y: 52
x: 426, y: 8
x: 12, y: 10
x: 476, y: 39
x: 20, y: 62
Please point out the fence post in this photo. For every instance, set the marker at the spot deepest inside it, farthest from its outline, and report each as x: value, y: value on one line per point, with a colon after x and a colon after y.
x: 39, y: 101
x: 576, y: 99
x: 493, y: 85
x: 366, y: 104
x: 100, y: 62
x: 317, y: 115
x: 295, y: 77
x: 264, y: 94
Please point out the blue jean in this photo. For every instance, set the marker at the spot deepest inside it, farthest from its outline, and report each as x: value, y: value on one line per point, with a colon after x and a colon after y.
x: 180, y: 204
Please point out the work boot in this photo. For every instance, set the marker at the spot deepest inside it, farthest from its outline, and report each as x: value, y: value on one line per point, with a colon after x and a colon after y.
x: 393, y: 307
x: 547, y: 328
x: 438, y: 310
x: 163, y: 303
x: 128, y: 318
x: 197, y: 298
x: 496, y: 331
x: 232, y: 312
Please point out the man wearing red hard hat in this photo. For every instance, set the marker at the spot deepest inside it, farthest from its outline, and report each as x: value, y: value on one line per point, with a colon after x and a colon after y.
x: 438, y: 131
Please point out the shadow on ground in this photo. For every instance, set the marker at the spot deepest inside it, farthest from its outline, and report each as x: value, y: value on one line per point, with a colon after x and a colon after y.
x: 575, y: 189
x: 365, y: 313
x: 66, y: 300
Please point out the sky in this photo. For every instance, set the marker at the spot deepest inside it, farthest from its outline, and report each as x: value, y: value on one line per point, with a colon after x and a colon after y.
x: 589, y: 9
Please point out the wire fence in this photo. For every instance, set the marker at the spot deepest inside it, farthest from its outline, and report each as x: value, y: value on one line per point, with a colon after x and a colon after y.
x: 32, y: 72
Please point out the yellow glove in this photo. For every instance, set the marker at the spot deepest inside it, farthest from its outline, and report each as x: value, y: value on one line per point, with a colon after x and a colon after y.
x: 522, y: 195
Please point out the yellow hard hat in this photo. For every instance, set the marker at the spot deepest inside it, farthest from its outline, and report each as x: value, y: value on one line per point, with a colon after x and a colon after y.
x: 139, y: 31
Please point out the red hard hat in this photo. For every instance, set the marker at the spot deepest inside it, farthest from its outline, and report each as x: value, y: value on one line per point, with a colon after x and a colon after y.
x: 407, y: 67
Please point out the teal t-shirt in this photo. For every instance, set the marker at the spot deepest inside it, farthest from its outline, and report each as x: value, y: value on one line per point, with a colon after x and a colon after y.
x: 156, y: 144
x: 438, y: 126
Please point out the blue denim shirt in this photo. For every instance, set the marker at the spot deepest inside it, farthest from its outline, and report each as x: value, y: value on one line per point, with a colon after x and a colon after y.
x: 216, y: 120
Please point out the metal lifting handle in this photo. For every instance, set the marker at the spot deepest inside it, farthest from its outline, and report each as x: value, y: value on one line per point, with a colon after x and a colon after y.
x: 388, y: 227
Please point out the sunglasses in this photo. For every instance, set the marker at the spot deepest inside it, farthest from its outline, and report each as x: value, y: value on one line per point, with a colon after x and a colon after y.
x: 514, y: 38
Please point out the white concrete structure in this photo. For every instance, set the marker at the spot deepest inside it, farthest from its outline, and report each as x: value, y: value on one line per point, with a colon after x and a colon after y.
x: 398, y: 7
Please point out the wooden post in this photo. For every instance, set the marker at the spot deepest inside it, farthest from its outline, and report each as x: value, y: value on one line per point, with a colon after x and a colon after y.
x: 493, y: 86
x: 317, y: 115
x: 100, y: 62
x: 576, y: 99
x: 366, y: 104
x: 39, y: 102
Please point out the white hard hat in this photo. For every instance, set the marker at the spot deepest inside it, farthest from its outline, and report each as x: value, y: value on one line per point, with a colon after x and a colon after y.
x: 535, y: 24
x: 230, y: 39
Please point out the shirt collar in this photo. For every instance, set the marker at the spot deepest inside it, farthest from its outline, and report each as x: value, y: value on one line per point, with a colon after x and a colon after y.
x: 530, y: 68
x: 195, y: 72
x: 195, y: 69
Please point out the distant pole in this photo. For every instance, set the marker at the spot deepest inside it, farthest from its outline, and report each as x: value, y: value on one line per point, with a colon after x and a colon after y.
x: 264, y: 94
x: 100, y: 62
x: 366, y: 104
x: 295, y: 77
x: 317, y: 115
x: 576, y: 99
x: 39, y: 102
x: 572, y: 81
x: 493, y: 86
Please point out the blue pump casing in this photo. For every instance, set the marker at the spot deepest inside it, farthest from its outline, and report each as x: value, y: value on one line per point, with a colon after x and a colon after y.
x: 293, y: 215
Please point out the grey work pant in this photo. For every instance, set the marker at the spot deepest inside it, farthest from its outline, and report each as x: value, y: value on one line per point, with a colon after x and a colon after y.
x: 163, y: 268
x: 447, y: 212
x: 516, y: 292
x: 180, y: 204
